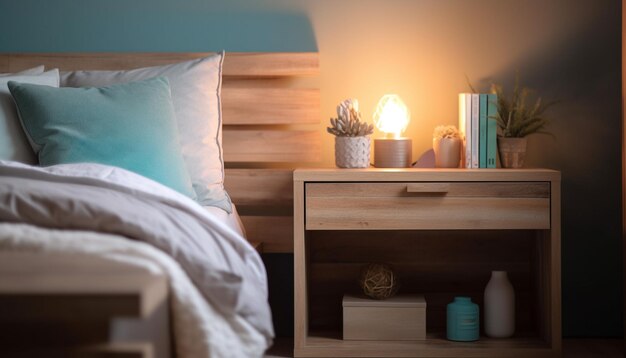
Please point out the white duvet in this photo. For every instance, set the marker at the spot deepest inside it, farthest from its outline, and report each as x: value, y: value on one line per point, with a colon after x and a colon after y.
x: 217, y: 280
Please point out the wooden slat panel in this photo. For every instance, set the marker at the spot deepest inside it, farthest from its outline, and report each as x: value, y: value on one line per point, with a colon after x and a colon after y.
x: 271, y: 146
x: 235, y: 64
x: 271, y: 64
x: 276, y: 232
x: 4, y: 63
x: 260, y: 187
x: 270, y: 105
x: 57, y: 286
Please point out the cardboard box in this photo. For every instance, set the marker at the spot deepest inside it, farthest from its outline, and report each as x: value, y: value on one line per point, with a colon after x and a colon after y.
x: 400, y: 318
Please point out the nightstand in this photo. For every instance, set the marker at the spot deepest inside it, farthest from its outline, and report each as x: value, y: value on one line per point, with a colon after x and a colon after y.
x: 443, y: 231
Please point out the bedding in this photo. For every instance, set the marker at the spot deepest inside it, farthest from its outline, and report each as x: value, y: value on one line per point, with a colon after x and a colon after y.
x: 47, y: 206
x: 13, y: 142
x: 30, y: 71
x: 232, y: 219
x: 196, y: 90
x: 130, y: 125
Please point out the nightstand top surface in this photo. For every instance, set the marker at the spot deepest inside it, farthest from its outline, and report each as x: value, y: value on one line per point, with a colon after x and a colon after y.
x: 425, y: 174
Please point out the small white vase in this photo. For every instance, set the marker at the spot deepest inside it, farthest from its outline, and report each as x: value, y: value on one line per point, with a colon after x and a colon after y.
x: 352, y: 152
x: 499, y: 306
x: 447, y: 152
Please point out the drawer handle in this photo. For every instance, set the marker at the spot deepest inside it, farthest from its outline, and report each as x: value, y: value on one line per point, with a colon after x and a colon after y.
x: 428, y: 188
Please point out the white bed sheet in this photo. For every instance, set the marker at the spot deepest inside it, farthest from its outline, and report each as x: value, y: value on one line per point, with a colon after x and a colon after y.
x: 203, y: 327
x: 232, y: 220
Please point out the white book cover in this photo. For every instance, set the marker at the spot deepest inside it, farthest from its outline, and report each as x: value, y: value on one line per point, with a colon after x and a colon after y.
x: 465, y: 122
x: 475, y: 130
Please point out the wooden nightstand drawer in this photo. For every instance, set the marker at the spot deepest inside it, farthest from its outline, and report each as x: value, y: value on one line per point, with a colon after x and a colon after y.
x: 427, y: 205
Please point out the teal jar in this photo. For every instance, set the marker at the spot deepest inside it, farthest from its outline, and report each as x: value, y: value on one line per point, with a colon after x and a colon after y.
x: 463, y: 320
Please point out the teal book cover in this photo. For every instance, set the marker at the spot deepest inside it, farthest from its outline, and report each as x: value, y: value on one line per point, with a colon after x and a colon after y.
x: 492, y: 130
x: 482, y: 132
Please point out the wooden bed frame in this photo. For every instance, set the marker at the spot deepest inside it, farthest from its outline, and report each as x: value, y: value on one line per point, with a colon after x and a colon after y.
x: 270, y: 123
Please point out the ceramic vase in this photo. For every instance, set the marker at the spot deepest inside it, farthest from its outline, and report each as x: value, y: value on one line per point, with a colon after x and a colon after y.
x: 462, y: 320
x: 352, y: 152
x: 512, y: 151
x: 499, y: 306
x: 447, y: 152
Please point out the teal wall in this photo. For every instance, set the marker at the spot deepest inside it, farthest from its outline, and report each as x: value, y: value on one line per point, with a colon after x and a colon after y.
x: 421, y: 49
x: 146, y: 25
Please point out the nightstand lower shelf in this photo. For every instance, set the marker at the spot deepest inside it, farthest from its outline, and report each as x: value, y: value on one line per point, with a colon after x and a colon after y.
x: 330, y: 344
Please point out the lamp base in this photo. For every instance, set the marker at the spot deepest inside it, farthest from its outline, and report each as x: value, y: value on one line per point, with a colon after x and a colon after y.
x: 392, y: 153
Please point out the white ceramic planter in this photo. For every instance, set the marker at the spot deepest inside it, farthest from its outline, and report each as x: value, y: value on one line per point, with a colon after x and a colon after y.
x: 352, y: 152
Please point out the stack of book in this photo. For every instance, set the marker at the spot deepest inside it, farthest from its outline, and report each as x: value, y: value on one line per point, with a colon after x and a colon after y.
x: 478, y: 126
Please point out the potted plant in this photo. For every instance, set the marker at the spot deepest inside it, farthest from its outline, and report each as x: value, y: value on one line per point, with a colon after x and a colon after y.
x: 352, y: 141
x: 447, y: 147
x: 517, y: 118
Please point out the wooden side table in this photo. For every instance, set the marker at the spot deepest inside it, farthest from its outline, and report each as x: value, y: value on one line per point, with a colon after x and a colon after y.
x: 444, y: 231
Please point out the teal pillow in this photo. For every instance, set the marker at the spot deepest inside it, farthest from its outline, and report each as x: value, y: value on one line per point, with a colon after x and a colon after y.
x: 130, y: 125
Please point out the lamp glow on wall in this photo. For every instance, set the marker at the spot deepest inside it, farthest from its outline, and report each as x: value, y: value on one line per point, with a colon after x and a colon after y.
x: 392, y: 117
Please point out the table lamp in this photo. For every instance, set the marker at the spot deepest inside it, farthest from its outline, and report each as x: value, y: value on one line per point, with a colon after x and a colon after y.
x: 392, y: 117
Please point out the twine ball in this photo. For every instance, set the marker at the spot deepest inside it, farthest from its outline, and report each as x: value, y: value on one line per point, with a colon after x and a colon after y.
x: 379, y: 281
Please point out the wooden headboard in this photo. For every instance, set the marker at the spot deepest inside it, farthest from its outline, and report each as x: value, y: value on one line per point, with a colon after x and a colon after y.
x: 269, y: 125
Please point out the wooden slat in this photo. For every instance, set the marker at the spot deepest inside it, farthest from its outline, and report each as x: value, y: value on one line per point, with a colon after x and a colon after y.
x: 270, y: 105
x: 4, y: 63
x: 272, y: 64
x: 276, y: 232
x: 260, y: 187
x: 58, y: 286
x: 235, y: 64
x: 271, y: 145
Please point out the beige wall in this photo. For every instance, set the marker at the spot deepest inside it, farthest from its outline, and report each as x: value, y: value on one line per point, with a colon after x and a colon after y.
x: 422, y: 50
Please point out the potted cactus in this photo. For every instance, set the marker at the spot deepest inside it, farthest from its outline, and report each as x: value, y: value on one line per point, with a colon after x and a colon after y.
x: 352, y: 141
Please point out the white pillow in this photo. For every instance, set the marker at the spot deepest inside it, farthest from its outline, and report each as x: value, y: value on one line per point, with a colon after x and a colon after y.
x: 31, y: 71
x: 195, y: 87
x: 13, y: 142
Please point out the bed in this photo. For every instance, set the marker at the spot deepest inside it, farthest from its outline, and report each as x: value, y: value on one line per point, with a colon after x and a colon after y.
x: 97, y: 292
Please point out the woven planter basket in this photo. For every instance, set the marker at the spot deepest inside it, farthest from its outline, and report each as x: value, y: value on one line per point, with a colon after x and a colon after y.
x: 512, y: 151
x: 352, y: 152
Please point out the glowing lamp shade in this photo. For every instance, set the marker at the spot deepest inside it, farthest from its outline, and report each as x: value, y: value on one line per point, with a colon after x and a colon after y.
x: 392, y: 117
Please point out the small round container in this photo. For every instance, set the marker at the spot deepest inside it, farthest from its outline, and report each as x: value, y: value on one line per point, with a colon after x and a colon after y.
x: 463, y: 320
